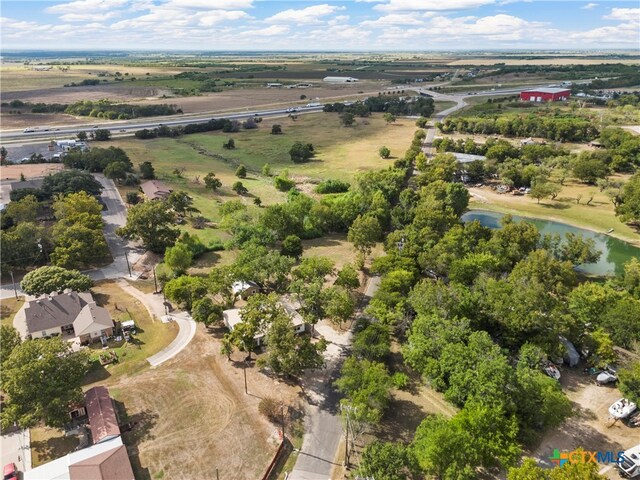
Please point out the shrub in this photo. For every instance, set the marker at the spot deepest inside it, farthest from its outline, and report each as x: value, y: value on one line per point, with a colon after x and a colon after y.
x: 400, y: 380
x: 332, y: 186
x: 270, y: 408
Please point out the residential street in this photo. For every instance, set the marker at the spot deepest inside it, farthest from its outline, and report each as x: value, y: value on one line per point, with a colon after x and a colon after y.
x: 16, y: 446
x: 114, y: 216
x: 323, y: 426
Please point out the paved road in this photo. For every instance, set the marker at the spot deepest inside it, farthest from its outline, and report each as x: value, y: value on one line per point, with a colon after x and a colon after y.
x: 323, y: 426
x: 16, y: 445
x: 171, y: 121
x: 114, y: 216
x: 155, y: 306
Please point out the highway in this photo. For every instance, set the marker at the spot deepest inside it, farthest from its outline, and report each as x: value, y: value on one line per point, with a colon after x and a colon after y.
x: 132, y: 126
x: 127, y: 128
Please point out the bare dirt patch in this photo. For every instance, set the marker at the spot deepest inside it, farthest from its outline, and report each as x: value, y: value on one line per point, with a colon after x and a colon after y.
x: 194, y: 417
x: 590, y: 427
x: 33, y: 170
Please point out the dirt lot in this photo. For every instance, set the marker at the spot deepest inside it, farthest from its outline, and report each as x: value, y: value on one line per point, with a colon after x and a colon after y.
x: 194, y: 417
x: 12, y: 172
x: 589, y: 428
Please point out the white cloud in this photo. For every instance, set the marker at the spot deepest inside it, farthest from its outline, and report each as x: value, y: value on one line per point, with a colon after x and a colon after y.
x: 624, y: 33
x: 589, y: 6
x: 436, y: 5
x: 207, y: 19
x: 270, y: 31
x: 305, y: 15
x: 394, y: 19
x: 86, y: 6
x: 624, y: 14
x: 211, y: 4
x: 89, y: 17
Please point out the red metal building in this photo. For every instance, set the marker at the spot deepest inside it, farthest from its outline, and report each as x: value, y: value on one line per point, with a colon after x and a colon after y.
x: 545, y: 95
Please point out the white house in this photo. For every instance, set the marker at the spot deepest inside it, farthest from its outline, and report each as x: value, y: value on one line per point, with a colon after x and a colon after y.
x: 245, y: 289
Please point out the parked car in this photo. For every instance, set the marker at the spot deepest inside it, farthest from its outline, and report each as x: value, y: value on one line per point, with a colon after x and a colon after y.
x: 10, y: 471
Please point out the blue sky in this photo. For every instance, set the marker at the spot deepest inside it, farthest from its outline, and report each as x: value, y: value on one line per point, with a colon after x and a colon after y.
x: 319, y: 25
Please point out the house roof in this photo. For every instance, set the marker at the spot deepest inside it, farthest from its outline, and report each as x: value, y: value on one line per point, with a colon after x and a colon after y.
x: 110, y: 465
x: 232, y: 317
x: 31, y: 183
x: 547, y: 90
x: 60, y: 469
x: 155, y: 189
x: 467, y: 157
x: 242, y: 286
x: 54, y: 310
x: 102, y: 414
x: 91, y: 318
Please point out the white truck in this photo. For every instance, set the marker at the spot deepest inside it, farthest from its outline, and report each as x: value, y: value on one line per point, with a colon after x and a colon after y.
x: 630, y: 464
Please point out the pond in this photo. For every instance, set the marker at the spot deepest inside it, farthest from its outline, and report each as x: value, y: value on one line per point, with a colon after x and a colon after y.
x: 615, y: 252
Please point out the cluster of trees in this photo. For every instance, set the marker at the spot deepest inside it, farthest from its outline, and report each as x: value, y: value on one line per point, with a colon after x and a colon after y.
x: 560, y: 127
x: 113, y: 162
x: 215, y: 124
x: 75, y: 240
x: 628, y: 202
x: 395, y: 105
x: 121, y: 111
x: 77, y: 236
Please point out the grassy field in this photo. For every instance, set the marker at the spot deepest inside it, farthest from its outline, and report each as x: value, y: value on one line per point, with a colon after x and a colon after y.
x: 8, y: 309
x: 340, y: 153
x: 151, y: 335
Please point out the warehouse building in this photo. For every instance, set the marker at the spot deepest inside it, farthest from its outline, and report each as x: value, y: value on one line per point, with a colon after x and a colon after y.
x: 545, y: 95
x: 340, y: 79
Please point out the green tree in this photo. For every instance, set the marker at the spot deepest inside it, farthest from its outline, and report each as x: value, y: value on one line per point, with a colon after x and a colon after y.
x: 78, y: 244
x: 147, y: 171
x: 631, y: 277
x: 221, y: 280
x: 181, y: 202
x: 70, y: 181
x: 205, y: 311
x: 338, y: 304
x: 102, y: 135
x: 133, y: 198
x: 178, y: 258
x: 239, y: 188
x: 384, y: 152
x: 301, y: 152
x: 41, y: 380
x: 276, y: 129
x: 347, y: 119
x: 542, y: 190
x: 68, y: 207
x: 312, y: 268
x: 82, y: 136
x: 288, y: 353
x: 50, y: 279
x: 24, y: 210
x: 388, y: 461
x: 230, y: 144
x: 364, y: 233
x: 529, y: 470
x: 577, y: 250
x: 22, y: 245
x: 152, y: 223
x: 348, y: 277
x: 292, y: 246
x: 256, y: 317
x: 628, y: 208
x: 478, y: 436
x: 589, y: 169
x: 373, y: 342
x: 621, y: 321
x: 116, y: 171
x: 185, y: 290
x: 389, y: 117
x: 211, y: 182
x: 366, y: 385
x: 241, y: 172
x: 266, y: 170
x: 630, y: 382
x: 9, y: 339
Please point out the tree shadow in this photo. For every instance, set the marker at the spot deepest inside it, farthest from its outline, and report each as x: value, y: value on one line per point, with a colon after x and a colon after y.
x: 138, y: 428
x: 555, y: 206
x: 400, y: 421
x: 96, y: 373
x: 55, y: 447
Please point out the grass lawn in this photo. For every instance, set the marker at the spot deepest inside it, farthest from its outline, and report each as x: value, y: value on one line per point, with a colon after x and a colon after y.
x: 337, y: 248
x: 442, y: 105
x: 599, y: 216
x: 8, y: 309
x: 151, y: 337
x: 50, y: 443
x: 340, y: 154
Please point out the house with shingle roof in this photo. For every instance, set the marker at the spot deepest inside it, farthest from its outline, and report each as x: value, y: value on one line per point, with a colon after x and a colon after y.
x: 155, y: 190
x: 69, y: 314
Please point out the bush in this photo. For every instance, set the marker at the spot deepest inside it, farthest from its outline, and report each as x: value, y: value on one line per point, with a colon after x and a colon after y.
x: 332, y: 186
x: 133, y: 198
x: 301, y: 152
x: 239, y: 188
x: 283, y: 183
x: 271, y: 409
x: 400, y: 380
x: 276, y: 129
x: 384, y: 152
x: 241, y: 172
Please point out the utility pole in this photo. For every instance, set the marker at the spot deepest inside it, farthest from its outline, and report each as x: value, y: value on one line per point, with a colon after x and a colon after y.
x: 155, y: 281
x: 127, y: 259
x: 283, y: 421
x: 15, y: 292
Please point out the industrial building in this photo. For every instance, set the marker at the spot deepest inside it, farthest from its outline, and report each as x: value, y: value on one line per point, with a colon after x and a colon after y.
x: 545, y: 95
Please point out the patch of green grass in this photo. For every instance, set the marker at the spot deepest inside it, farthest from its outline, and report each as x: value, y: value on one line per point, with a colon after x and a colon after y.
x: 151, y: 337
x: 47, y: 444
x: 442, y: 105
x: 8, y: 309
